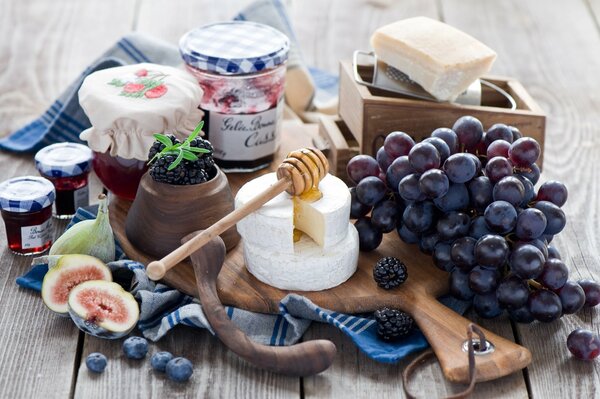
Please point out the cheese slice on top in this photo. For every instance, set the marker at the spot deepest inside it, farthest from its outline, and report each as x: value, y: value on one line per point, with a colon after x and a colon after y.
x: 324, y: 220
x: 442, y: 59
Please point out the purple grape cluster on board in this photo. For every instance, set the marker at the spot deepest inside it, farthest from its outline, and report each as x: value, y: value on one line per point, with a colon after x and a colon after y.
x: 468, y: 198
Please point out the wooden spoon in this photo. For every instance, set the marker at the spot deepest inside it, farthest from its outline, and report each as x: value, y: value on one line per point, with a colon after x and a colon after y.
x: 303, y: 359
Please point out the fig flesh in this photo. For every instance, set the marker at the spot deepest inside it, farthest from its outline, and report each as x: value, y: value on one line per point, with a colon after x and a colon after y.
x: 103, y: 309
x: 67, y: 272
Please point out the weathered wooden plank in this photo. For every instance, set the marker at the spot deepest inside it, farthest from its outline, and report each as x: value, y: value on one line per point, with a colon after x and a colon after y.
x: 45, y: 46
x: 353, y: 372
x: 594, y: 6
x: 559, y: 66
x: 330, y: 31
x: 183, y: 16
x: 48, y: 44
x: 217, y: 372
x: 39, y: 348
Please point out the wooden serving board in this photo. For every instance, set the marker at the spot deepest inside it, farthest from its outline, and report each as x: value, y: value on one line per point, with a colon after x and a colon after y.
x: 445, y: 330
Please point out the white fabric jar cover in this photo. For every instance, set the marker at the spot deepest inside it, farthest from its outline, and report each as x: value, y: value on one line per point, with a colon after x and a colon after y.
x: 127, y: 105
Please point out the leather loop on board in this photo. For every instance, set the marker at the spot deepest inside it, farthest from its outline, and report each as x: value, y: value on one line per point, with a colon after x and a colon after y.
x: 419, y: 360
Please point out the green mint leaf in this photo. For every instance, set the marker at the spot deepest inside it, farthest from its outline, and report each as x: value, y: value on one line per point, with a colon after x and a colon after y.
x: 198, y: 150
x: 198, y: 129
x: 177, y: 161
x: 163, y: 139
x: 190, y: 156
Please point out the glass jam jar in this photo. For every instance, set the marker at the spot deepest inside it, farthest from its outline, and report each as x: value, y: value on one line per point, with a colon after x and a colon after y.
x: 240, y: 65
x: 119, y: 175
x: 67, y: 166
x: 127, y: 106
x: 26, y: 207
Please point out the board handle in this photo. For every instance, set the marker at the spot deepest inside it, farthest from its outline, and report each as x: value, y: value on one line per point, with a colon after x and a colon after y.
x: 446, y: 332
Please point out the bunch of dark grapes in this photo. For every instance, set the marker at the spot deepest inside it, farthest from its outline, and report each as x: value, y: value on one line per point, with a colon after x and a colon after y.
x: 468, y: 198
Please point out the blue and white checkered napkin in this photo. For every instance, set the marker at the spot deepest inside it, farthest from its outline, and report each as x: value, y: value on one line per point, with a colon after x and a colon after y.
x: 65, y: 119
x: 163, y: 307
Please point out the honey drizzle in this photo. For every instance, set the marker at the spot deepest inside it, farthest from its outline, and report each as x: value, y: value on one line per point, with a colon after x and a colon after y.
x: 312, y: 195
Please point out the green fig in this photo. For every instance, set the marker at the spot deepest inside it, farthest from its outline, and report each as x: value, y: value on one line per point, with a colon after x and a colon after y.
x: 89, y: 237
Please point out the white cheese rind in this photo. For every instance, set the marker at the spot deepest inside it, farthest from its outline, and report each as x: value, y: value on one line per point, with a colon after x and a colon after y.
x: 272, y: 225
x: 309, y: 269
x: 442, y: 59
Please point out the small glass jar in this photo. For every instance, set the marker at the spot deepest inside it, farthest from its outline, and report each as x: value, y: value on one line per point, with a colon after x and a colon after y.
x: 241, y: 68
x: 67, y: 166
x: 119, y: 175
x: 26, y: 207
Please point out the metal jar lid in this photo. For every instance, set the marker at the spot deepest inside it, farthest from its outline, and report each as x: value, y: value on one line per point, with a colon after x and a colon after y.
x: 26, y: 194
x: 234, y: 48
x: 64, y: 160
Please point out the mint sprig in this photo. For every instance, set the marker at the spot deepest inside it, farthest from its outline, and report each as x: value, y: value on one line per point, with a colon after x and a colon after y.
x: 180, y: 151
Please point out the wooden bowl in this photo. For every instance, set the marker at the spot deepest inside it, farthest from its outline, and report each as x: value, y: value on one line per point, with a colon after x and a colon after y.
x: 162, y: 214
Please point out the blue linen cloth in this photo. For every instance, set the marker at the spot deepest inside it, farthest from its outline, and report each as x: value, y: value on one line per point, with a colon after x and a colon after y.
x: 162, y: 308
x: 65, y: 119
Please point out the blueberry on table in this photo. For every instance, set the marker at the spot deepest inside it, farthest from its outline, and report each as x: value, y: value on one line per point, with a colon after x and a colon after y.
x: 179, y: 369
x: 96, y: 362
x: 160, y: 359
x: 135, y: 347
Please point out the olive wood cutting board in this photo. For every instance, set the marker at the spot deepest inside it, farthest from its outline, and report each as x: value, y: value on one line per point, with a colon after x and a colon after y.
x: 445, y: 329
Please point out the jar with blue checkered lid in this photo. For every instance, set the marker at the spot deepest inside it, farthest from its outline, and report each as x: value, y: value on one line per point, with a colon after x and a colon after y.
x: 241, y: 67
x: 26, y: 207
x: 67, y: 166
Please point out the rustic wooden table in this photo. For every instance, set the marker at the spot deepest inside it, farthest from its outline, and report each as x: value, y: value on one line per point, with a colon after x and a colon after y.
x: 553, y: 48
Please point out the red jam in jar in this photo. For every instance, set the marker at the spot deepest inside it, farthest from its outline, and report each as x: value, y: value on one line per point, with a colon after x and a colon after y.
x: 26, y: 207
x: 119, y: 175
x: 241, y: 67
x: 67, y: 166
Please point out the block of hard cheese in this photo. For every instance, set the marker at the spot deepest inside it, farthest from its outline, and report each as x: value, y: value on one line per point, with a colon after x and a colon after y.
x: 442, y: 59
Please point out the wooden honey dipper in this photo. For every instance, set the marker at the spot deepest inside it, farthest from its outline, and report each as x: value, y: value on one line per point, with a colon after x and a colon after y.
x: 299, y: 172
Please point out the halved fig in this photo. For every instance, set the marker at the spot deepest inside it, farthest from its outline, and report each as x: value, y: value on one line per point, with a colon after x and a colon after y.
x: 70, y: 271
x: 103, y: 309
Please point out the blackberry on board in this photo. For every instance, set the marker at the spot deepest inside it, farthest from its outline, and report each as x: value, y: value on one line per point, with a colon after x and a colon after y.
x: 160, y: 173
x: 157, y: 146
x: 393, y: 324
x: 389, y: 272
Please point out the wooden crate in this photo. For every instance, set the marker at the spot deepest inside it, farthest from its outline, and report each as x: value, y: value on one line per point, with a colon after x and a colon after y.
x: 340, y: 145
x: 371, y: 114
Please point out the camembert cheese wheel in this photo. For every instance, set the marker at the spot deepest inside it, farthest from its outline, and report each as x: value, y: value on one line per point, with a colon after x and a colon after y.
x: 309, y: 268
x: 272, y: 226
x: 303, y: 243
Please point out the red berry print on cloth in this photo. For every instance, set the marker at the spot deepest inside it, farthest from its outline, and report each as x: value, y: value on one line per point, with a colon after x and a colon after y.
x: 133, y: 87
x: 158, y: 91
x: 141, y: 84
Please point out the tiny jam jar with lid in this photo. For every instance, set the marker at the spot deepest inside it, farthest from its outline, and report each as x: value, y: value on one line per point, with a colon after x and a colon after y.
x: 26, y: 207
x: 241, y: 67
x: 67, y: 166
